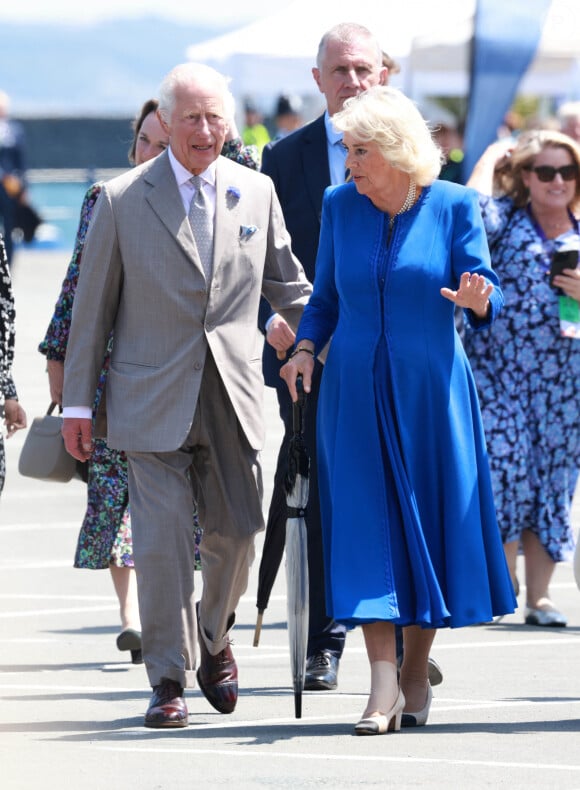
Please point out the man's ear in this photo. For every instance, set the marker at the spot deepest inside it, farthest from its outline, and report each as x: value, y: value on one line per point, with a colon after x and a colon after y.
x: 384, y: 76
x: 316, y: 75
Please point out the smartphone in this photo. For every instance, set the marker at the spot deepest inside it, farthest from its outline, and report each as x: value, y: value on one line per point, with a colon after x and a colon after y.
x: 562, y: 259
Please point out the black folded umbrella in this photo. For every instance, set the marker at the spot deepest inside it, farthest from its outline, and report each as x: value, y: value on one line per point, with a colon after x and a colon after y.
x: 296, y: 485
x: 272, y: 550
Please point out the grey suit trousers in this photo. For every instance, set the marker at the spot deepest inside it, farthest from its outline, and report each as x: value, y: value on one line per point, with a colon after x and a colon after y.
x: 217, y: 467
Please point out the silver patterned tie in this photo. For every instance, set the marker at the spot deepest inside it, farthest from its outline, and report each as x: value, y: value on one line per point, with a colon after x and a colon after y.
x: 202, y: 226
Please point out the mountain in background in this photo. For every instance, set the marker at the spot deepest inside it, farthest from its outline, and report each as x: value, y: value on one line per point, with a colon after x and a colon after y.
x: 104, y: 69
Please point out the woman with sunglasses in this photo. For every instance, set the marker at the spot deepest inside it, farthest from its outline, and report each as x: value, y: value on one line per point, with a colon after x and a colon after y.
x: 527, y: 366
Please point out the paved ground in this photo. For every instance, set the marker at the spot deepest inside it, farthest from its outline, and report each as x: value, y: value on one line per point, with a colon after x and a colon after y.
x: 507, y: 715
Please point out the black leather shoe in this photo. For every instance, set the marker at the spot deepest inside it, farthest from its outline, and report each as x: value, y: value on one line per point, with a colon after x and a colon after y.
x: 167, y: 707
x: 321, y: 672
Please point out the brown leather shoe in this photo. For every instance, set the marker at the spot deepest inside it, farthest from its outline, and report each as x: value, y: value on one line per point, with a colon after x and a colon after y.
x: 217, y: 677
x: 167, y: 707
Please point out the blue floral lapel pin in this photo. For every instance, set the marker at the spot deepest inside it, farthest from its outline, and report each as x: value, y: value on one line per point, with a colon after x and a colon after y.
x: 233, y: 194
x: 247, y: 230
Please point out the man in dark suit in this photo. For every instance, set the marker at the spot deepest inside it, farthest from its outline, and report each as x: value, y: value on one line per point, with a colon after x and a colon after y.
x: 302, y: 165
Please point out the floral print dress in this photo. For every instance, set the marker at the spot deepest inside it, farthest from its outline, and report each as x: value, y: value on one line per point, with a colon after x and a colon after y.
x: 7, y: 318
x: 527, y: 378
x: 105, y: 534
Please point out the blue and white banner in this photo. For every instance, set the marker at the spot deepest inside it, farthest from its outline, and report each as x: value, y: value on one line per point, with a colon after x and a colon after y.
x: 506, y: 36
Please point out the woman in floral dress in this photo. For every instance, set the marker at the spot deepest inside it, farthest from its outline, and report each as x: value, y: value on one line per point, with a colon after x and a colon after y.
x: 105, y: 536
x: 14, y: 416
x: 527, y: 367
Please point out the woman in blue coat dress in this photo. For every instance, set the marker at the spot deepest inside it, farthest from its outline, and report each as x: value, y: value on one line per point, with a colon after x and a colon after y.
x: 410, y: 531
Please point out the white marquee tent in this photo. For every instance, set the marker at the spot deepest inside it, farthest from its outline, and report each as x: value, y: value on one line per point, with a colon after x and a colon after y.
x: 430, y: 40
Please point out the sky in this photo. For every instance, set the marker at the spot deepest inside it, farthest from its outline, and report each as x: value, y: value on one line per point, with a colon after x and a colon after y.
x: 223, y: 13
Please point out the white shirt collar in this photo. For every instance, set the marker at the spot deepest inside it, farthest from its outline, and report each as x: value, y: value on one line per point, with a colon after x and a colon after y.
x: 332, y: 135
x: 182, y: 174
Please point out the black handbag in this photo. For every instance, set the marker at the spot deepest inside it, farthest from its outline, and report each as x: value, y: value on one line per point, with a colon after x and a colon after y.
x: 43, y: 455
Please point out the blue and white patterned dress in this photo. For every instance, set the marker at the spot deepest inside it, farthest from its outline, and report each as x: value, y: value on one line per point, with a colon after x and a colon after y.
x: 528, y: 378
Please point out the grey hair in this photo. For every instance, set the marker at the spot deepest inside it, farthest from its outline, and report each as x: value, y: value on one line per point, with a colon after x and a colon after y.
x: 385, y: 116
x: 346, y: 33
x: 186, y: 73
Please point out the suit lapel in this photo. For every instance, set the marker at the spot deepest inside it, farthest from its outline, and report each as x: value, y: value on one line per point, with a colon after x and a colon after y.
x: 315, y: 164
x: 227, y: 218
x: 165, y: 200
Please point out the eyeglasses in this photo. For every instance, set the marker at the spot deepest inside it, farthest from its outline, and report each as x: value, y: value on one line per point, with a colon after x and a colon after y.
x: 547, y: 173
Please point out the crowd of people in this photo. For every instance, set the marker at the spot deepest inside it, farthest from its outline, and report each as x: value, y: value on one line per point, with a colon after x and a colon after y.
x: 335, y: 252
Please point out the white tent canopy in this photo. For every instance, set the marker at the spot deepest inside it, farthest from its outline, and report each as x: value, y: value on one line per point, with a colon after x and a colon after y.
x: 439, y: 61
x: 276, y: 53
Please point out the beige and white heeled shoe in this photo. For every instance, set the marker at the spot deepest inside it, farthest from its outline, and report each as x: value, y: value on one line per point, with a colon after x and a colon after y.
x: 418, y: 719
x: 382, y: 723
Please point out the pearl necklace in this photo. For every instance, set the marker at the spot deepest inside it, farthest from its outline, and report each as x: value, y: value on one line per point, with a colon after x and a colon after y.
x: 409, y: 200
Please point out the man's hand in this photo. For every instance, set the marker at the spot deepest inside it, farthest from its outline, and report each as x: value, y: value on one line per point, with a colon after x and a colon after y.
x: 78, y: 437
x: 280, y: 336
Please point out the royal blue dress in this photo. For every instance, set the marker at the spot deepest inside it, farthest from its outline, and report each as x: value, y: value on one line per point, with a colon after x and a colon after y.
x: 410, y: 532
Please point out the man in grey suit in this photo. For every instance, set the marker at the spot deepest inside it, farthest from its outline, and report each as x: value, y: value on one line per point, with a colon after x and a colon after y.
x: 175, y: 267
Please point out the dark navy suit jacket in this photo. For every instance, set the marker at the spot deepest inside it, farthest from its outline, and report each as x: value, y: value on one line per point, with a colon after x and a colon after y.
x: 298, y: 166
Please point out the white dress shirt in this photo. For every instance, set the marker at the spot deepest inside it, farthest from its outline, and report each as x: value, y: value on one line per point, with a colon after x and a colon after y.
x: 186, y: 189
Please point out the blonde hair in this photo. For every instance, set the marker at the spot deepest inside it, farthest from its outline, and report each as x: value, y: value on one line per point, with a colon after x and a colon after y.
x: 508, y: 177
x: 385, y: 116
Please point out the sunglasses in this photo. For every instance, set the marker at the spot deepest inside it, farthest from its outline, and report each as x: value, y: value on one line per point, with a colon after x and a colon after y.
x: 547, y: 173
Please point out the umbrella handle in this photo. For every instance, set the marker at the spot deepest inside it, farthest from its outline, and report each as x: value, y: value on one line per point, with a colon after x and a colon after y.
x: 298, y: 408
x: 258, y: 629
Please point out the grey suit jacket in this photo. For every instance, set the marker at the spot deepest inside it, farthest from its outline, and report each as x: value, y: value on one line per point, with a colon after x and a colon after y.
x: 141, y: 277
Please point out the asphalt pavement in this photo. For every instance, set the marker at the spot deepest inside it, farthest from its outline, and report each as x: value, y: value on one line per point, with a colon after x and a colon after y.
x: 71, y: 707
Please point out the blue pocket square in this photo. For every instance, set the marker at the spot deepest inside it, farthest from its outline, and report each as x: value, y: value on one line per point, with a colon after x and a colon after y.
x: 247, y: 230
